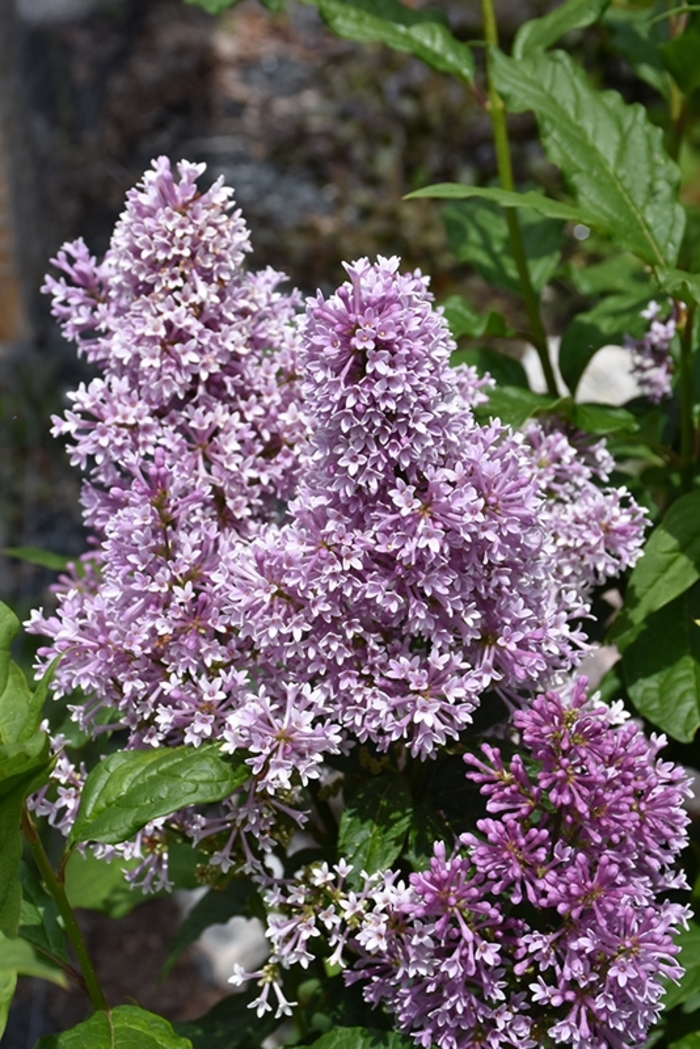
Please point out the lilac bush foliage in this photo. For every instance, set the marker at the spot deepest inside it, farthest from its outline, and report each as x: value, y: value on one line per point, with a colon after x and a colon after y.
x: 543, y: 928
x: 304, y: 546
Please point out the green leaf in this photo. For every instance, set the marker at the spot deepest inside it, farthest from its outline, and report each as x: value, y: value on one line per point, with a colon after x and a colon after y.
x: 126, y: 1027
x: 605, y: 324
x: 39, y: 921
x: 426, y: 828
x: 128, y: 789
x: 689, y: 983
x: 505, y: 370
x: 213, y: 7
x: 513, y: 405
x: 638, y: 43
x: 543, y: 32
x: 9, y: 628
x: 10, y: 856
x: 681, y: 57
x: 24, y: 764
x: 477, y: 232
x: 8, y: 983
x: 215, y: 908
x: 229, y: 1025
x: 678, y: 283
x: 34, y: 555
x: 669, y: 566
x: 98, y: 885
x: 374, y: 823
x: 464, y: 320
x: 421, y: 33
x: 622, y: 272
x: 610, y: 154
x: 602, y: 419
x: 688, y: 1041
x: 361, y: 1038
x: 531, y: 200
x: 19, y: 957
x: 661, y: 667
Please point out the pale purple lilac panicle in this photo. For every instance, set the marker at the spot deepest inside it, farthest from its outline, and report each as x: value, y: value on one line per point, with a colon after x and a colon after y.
x: 428, y: 559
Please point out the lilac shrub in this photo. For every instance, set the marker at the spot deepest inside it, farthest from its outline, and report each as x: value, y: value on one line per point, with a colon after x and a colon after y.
x: 307, y: 550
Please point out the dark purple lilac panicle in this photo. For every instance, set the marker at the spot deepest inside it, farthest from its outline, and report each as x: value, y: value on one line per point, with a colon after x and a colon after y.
x: 547, y: 926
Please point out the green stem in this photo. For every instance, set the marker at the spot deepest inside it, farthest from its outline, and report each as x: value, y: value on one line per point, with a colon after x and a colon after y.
x: 678, y: 114
x: 505, y: 175
x: 686, y: 401
x: 56, y: 890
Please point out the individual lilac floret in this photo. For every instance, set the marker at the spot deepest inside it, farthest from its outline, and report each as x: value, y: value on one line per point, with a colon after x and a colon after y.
x: 652, y: 363
x: 429, y: 559
x: 548, y: 926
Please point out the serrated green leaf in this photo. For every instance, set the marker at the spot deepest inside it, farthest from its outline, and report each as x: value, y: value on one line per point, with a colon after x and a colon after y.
x: 19, y: 957
x: 545, y: 31
x: 421, y: 33
x: 9, y: 628
x: 661, y: 667
x: 128, y: 789
x: 229, y: 1025
x: 215, y: 908
x: 477, y: 232
x: 533, y: 201
x: 126, y: 1027
x: 374, y: 823
x: 605, y: 324
x: 689, y: 983
x: 610, y: 155
x: 669, y: 566
x: 638, y: 42
x: 463, y: 320
x: 39, y: 921
x: 361, y: 1038
x: 34, y: 555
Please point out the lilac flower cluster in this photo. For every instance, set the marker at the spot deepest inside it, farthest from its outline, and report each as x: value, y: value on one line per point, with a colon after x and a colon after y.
x: 652, y: 364
x: 546, y: 927
x: 189, y: 438
x: 428, y: 559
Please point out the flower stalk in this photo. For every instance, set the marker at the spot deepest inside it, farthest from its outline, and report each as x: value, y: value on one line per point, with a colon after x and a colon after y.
x: 505, y: 175
x: 56, y: 889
